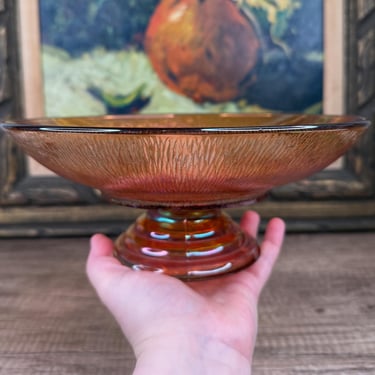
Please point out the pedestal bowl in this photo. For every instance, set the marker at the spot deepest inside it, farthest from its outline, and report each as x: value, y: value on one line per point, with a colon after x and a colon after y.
x: 184, y: 169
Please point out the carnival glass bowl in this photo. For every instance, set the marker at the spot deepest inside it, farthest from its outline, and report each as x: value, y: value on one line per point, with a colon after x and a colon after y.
x: 183, y: 169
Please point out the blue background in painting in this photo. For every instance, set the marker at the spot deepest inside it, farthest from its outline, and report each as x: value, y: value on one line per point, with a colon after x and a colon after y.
x: 290, y: 79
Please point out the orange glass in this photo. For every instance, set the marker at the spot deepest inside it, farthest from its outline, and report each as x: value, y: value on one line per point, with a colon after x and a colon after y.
x: 183, y: 169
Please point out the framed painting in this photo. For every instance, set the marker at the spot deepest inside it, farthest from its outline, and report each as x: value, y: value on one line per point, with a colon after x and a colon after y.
x: 317, y: 57
x: 108, y: 57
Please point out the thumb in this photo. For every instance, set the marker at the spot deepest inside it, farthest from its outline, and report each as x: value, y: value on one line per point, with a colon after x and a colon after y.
x: 101, y: 267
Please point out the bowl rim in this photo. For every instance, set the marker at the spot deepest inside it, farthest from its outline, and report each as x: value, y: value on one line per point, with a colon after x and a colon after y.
x: 74, y: 124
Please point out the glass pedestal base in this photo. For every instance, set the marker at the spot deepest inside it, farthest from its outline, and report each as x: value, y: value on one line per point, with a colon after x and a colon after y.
x: 187, y: 244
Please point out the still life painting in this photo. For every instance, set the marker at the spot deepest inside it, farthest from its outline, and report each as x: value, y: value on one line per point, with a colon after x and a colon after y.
x: 186, y: 56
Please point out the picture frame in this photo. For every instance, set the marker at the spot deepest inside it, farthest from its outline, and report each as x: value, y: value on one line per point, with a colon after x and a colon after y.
x: 334, y: 199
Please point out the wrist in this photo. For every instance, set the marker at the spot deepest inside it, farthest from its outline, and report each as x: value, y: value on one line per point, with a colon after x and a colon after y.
x: 190, y: 355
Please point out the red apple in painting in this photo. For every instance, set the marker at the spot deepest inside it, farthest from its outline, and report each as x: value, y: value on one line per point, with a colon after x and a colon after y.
x: 204, y: 49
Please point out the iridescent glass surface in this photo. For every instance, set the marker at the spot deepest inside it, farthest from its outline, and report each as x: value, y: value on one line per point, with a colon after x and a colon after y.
x: 183, y: 169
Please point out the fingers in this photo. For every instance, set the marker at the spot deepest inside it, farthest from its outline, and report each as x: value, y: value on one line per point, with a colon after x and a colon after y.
x: 100, y: 246
x: 270, y: 250
x: 250, y: 223
x: 101, y: 266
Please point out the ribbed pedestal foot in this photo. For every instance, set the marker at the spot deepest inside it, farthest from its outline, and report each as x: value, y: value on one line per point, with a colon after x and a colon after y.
x: 187, y: 244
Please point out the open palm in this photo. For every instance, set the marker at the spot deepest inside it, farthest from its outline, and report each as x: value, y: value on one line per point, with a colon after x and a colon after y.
x: 153, y: 308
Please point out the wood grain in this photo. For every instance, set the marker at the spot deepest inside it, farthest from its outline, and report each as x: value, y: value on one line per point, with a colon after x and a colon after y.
x: 317, y: 314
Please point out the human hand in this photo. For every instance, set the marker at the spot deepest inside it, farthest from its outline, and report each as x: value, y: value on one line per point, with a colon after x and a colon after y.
x: 198, y: 327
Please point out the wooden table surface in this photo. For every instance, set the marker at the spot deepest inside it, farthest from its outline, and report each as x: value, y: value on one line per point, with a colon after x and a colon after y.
x: 317, y: 314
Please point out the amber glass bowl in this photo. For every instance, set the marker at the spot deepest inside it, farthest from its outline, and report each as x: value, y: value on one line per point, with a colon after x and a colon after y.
x: 183, y: 169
